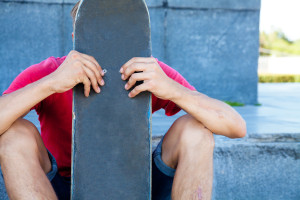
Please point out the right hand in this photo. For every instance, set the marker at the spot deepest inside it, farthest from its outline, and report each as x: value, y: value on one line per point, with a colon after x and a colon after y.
x: 78, y: 68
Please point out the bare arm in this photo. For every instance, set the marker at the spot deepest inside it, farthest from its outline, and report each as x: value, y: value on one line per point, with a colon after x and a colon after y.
x: 217, y: 116
x: 77, y: 68
x: 18, y: 103
x: 214, y: 114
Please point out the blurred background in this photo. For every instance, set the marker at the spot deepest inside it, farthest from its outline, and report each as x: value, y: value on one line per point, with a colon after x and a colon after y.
x: 279, y: 41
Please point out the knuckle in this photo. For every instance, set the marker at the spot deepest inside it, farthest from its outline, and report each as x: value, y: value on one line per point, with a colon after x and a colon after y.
x: 150, y: 84
x: 152, y: 75
x: 94, y: 81
x: 127, y: 72
x: 134, y: 76
x: 77, y: 63
x: 138, y: 67
x: 80, y: 72
x: 154, y: 66
x: 92, y: 57
x: 75, y: 55
x: 98, y: 75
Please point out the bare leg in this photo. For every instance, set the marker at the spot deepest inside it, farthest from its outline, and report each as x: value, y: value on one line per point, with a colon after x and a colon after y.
x: 188, y: 147
x: 24, y: 162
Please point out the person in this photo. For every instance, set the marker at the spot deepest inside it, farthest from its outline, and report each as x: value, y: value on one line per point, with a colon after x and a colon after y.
x: 38, y: 166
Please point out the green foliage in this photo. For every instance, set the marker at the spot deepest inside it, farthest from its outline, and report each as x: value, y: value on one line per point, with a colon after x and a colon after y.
x: 278, y: 78
x: 278, y: 44
x: 234, y: 103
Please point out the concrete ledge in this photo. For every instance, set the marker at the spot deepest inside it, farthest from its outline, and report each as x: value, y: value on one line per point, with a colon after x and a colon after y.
x: 216, y: 4
x: 255, y: 170
x: 35, y: 1
x: 155, y: 3
x: 246, y: 170
x: 150, y: 3
x: 187, y: 4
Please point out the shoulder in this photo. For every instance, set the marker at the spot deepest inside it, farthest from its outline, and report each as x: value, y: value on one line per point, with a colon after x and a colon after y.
x: 166, y: 68
x: 175, y: 75
x: 43, y: 68
x: 34, y: 73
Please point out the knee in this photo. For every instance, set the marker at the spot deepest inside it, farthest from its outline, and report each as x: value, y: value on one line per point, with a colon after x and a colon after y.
x: 18, y: 139
x: 193, y: 134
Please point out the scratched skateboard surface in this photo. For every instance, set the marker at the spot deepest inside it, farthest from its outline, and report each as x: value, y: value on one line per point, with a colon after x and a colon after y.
x: 111, y: 146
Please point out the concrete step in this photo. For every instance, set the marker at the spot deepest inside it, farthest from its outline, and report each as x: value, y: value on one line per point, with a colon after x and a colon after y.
x: 257, y: 169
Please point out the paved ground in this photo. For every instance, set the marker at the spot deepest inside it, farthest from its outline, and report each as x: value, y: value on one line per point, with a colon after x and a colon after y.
x: 278, y: 117
x: 278, y: 114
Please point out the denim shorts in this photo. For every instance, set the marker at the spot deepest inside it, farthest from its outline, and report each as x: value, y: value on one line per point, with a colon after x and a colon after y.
x: 162, y: 179
x: 162, y: 176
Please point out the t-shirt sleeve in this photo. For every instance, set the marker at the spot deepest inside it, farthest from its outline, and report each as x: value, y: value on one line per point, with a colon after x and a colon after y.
x: 170, y: 107
x: 30, y: 75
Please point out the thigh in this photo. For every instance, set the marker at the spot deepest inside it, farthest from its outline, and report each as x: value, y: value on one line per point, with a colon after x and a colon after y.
x: 61, y: 185
x: 23, y: 139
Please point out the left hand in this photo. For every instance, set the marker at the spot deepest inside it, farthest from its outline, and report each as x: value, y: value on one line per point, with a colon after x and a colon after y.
x: 154, y: 78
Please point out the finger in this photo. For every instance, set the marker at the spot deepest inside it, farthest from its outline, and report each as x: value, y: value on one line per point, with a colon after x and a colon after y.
x: 93, y: 68
x: 136, y: 77
x: 87, y: 86
x: 134, y: 67
x: 138, y: 89
x: 91, y: 76
x: 137, y: 59
x: 92, y: 59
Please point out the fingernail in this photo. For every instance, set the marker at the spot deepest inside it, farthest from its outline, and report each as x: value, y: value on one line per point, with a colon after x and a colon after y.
x: 121, y: 70
x: 123, y: 76
x: 102, y: 73
x: 102, y: 82
x: 129, y: 95
x: 126, y: 86
x: 98, y: 90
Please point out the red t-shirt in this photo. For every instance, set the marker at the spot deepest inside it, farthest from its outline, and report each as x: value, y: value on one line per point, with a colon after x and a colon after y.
x: 55, y: 112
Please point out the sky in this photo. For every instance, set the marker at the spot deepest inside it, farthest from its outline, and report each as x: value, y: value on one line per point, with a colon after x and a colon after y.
x: 283, y: 15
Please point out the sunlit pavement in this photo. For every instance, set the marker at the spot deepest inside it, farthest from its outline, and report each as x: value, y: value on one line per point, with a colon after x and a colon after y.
x: 277, y: 118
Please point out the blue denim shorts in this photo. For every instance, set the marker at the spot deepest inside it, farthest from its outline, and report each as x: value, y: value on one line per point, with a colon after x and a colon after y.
x: 162, y: 176
x: 162, y: 179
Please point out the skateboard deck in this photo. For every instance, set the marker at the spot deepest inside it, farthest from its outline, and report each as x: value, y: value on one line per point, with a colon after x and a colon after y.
x: 111, y: 147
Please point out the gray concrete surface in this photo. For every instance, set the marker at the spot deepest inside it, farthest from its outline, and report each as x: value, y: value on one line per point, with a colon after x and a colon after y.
x: 279, y: 112
x: 213, y: 44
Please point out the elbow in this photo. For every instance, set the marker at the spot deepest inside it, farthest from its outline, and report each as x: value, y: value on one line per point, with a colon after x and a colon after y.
x: 240, y: 129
